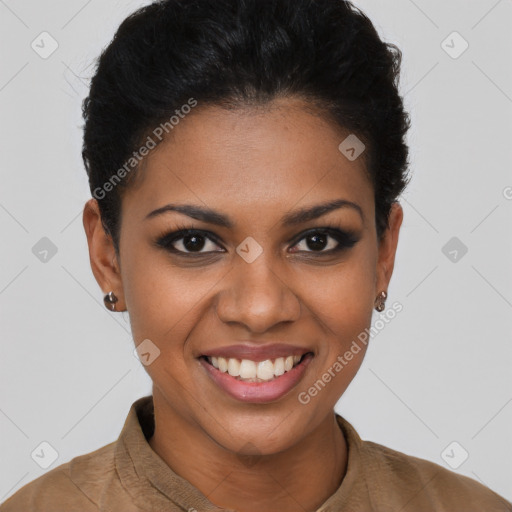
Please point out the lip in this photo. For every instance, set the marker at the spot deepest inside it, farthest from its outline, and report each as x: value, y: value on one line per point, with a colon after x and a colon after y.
x: 257, y: 353
x: 259, y: 392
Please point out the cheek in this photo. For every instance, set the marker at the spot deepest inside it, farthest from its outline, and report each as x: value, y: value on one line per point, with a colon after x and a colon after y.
x: 341, y: 302
x: 164, y: 301
x: 166, y: 304
x: 343, y: 296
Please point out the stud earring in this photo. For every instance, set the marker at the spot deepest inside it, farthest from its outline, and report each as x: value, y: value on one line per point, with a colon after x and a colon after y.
x: 110, y: 301
x: 381, y: 301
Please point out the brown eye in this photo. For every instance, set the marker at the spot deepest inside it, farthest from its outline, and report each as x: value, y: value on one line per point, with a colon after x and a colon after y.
x: 188, y: 241
x: 192, y: 243
x: 326, y: 240
x: 320, y: 241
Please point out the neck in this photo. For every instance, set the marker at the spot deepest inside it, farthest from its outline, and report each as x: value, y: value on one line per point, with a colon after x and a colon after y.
x: 300, y: 478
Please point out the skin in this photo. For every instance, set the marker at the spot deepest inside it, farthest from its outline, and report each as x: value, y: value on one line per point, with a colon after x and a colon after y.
x: 253, y: 165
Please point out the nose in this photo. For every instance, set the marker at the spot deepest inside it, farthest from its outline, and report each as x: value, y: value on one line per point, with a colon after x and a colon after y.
x: 257, y: 296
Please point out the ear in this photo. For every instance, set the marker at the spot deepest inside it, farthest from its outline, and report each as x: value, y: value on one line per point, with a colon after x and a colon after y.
x: 387, y: 248
x: 102, y: 254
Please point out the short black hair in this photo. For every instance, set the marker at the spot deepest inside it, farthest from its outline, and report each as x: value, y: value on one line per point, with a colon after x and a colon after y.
x: 238, y: 53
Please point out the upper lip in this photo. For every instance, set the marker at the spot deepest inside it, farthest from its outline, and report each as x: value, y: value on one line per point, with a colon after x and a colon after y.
x: 257, y: 352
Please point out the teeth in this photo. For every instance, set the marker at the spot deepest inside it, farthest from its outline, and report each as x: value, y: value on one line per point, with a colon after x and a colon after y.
x: 223, y: 364
x: 279, y: 366
x: 265, y: 370
x: 233, y: 367
x: 247, y: 369
x: 252, y: 370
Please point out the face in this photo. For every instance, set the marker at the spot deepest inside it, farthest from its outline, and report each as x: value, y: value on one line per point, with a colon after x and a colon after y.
x: 254, y: 281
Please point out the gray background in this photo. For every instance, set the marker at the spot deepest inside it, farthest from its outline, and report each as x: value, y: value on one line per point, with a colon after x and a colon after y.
x: 439, y: 372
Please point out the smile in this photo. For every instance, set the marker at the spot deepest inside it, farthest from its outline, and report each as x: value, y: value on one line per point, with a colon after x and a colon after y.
x: 256, y: 381
x: 254, y: 371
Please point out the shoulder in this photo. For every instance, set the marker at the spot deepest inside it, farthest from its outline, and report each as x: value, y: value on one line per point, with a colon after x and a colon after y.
x: 76, y: 485
x: 420, y: 484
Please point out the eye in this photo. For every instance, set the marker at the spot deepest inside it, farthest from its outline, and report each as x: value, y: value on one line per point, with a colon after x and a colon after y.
x: 322, y: 240
x: 326, y: 240
x: 189, y: 241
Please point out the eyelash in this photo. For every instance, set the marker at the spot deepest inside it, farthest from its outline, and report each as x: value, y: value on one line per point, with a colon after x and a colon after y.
x: 345, y: 239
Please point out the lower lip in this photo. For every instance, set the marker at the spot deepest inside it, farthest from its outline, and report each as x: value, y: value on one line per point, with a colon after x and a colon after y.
x: 258, y: 392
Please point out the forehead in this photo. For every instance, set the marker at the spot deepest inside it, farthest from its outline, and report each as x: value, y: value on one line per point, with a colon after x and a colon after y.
x: 251, y: 159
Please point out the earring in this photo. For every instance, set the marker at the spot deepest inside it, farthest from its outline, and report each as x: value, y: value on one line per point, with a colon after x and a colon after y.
x: 381, y: 298
x: 110, y: 301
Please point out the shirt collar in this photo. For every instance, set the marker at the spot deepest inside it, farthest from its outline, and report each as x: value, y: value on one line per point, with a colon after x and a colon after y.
x: 151, y: 482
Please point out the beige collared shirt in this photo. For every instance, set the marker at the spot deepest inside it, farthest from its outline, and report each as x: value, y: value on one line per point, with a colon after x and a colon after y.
x: 128, y: 476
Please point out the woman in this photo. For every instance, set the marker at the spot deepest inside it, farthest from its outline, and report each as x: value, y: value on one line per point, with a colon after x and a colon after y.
x: 245, y: 158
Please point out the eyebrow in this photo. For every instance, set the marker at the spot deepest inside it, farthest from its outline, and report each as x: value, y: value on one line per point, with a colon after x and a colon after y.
x: 290, y: 219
